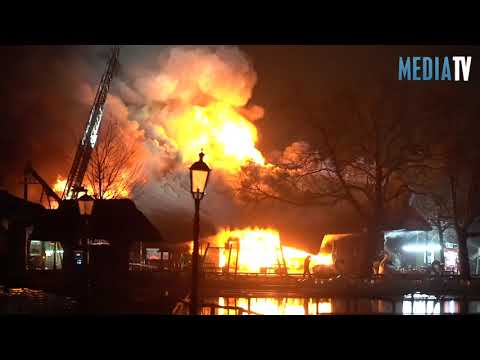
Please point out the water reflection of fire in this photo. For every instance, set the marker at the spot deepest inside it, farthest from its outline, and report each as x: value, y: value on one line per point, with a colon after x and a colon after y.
x: 255, y: 250
x: 275, y: 306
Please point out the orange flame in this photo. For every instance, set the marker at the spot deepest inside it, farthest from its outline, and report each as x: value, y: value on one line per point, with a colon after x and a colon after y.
x: 225, y: 136
x: 118, y: 192
x: 257, y: 250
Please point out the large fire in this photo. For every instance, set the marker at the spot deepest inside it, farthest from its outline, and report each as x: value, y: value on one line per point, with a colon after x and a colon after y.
x: 198, y: 99
x: 116, y: 191
x: 226, y: 136
x: 255, y: 250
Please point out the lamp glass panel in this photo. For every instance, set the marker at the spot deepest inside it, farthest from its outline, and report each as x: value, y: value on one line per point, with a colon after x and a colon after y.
x: 199, y: 181
x: 86, y: 207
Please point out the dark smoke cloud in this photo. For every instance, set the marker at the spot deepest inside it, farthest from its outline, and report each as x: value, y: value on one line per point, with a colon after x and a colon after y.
x: 42, y: 111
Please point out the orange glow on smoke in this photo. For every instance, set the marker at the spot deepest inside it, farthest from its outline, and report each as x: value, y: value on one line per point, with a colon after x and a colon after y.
x: 260, y: 250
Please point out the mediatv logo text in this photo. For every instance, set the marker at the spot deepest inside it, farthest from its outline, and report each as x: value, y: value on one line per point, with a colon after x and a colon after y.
x: 434, y: 68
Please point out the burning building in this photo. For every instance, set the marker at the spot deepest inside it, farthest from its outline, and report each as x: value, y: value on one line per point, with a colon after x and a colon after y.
x: 256, y: 250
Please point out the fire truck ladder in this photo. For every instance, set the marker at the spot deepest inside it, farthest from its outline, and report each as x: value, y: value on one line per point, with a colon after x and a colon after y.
x: 31, y: 177
x: 90, y: 135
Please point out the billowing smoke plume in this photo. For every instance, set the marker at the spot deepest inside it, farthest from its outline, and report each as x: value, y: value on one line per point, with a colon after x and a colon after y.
x: 170, y: 103
x: 173, y: 104
x: 191, y: 99
x: 199, y: 98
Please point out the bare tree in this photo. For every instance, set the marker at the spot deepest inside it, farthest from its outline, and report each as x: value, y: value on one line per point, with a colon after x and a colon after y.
x: 436, y: 208
x: 371, y: 154
x: 113, y: 171
x: 463, y: 173
x: 457, y: 190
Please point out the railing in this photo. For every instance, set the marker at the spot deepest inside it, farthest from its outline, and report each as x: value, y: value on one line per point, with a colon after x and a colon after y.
x: 142, y: 267
x: 216, y: 273
x: 255, y: 275
x: 238, y: 309
x: 156, y: 268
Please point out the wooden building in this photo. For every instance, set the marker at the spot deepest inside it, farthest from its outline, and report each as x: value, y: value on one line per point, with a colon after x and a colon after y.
x: 104, y: 239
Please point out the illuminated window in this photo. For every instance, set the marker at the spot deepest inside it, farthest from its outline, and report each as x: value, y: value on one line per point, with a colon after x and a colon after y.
x: 451, y: 258
x: 153, y: 254
x: 44, y: 255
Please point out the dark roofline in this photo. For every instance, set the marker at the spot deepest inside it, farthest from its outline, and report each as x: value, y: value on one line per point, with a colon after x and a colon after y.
x: 17, y: 208
x: 110, y: 219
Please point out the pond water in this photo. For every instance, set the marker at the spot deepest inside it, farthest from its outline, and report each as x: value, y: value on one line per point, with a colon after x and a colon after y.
x: 411, y: 304
x: 37, y: 302
x: 22, y: 301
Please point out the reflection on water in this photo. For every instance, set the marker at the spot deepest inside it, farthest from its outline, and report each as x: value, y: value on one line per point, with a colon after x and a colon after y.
x: 274, y: 306
x: 28, y: 301
x: 412, y: 304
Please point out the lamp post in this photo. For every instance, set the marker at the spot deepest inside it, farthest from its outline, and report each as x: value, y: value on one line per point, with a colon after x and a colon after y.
x: 85, y: 205
x: 199, y: 174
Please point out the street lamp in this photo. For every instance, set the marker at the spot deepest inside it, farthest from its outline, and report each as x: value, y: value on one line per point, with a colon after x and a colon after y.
x: 85, y: 205
x: 199, y: 174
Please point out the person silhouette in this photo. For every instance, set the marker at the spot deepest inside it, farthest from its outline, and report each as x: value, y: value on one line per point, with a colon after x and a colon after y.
x: 436, y: 268
x: 340, y: 267
x: 306, y: 267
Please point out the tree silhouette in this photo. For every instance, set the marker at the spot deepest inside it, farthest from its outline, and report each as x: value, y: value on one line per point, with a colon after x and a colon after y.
x: 113, y: 171
x: 370, y: 153
x: 436, y: 207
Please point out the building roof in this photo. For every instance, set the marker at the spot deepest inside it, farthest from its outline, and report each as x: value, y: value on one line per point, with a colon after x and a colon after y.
x: 113, y: 220
x: 12, y: 207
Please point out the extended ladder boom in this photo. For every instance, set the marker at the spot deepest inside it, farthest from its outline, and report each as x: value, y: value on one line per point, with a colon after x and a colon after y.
x: 84, y: 150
